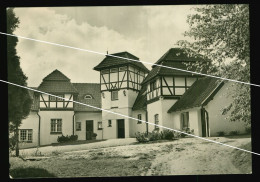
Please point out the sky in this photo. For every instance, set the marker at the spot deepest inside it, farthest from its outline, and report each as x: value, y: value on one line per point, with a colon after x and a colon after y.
x: 145, y: 31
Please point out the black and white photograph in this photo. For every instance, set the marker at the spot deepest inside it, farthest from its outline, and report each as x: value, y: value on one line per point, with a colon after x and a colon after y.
x: 140, y: 90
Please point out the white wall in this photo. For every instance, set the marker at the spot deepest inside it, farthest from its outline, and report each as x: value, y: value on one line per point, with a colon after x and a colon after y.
x: 134, y: 127
x: 153, y: 109
x: 31, y: 122
x: 217, y: 121
x: 46, y: 116
x: 82, y: 117
x: 124, y: 106
x: 167, y: 119
x: 194, y: 120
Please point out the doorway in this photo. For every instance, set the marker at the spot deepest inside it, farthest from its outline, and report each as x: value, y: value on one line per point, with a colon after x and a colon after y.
x: 204, y: 123
x: 89, y: 129
x: 121, y: 128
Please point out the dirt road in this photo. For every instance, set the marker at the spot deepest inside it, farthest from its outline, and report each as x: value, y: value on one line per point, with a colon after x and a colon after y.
x: 194, y: 156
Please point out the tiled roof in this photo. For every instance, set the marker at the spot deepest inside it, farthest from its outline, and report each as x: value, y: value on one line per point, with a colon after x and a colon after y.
x: 114, y: 61
x: 56, y: 75
x: 92, y: 89
x: 174, y: 58
x: 57, y: 82
x: 198, y: 94
x: 140, y: 102
x: 177, y: 54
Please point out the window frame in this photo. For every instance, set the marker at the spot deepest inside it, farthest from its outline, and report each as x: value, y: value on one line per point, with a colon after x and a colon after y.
x: 156, y: 121
x: 78, y: 126
x: 99, y: 125
x: 139, y: 117
x: 56, y: 123
x: 109, y: 122
x: 28, y: 132
x: 183, y: 120
x: 112, y: 98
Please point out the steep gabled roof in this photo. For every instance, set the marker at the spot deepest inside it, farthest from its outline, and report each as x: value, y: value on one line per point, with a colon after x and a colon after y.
x: 92, y: 89
x: 56, y: 75
x: 174, y: 58
x: 198, y: 94
x: 110, y: 61
x: 177, y: 54
x: 57, y: 82
x: 140, y: 101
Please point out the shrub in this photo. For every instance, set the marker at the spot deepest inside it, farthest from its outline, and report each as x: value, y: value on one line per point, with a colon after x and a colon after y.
x: 167, y: 134
x: 12, y: 143
x: 141, y: 137
x: 154, y: 135
x: 221, y: 133
x: 233, y: 133
x: 187, y: 130
x: 62, y: 138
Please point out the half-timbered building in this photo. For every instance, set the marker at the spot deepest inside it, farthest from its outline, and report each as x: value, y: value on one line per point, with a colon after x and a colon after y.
x: 163, y: 96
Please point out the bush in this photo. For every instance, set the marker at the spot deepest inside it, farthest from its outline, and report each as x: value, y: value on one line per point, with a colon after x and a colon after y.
x: 167, y: 135
x: 233, y: 133
x: 187, y: 130
x: 141, y: 137
x: 221, y: 133
x: 154, y: 135
x: 62, y: 138
x: 12, y: 143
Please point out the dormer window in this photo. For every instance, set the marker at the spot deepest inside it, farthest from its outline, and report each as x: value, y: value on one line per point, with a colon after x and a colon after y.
x: 88, y: 97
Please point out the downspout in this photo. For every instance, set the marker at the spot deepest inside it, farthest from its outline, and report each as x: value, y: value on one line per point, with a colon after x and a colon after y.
x: 146, y: 115
x: 73, y: 123
x: 39, y: 130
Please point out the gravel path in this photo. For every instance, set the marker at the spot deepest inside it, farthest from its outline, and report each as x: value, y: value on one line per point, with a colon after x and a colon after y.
x: 68, y: 148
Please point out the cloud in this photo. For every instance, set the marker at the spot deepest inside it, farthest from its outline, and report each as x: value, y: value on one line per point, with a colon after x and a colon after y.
x: 145, y: 31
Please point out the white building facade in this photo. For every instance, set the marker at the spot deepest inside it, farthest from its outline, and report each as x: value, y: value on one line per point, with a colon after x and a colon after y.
x: 161, y: 96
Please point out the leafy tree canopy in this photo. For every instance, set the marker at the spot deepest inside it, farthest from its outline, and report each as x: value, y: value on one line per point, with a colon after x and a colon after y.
x: 221, y: 34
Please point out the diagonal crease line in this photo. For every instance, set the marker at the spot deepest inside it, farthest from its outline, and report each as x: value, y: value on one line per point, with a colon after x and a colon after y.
x: 86, y: 50
x: 130, y: 117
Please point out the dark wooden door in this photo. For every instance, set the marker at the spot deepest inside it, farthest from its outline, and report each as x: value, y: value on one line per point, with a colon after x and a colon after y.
x: 89, y: 129
x: 204, y: 123
x: 121, y: 128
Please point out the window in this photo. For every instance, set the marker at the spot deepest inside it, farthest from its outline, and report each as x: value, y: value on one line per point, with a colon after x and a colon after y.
x: 60, y: 99
x: 139, y: 116
x: 25, y: 135
x: 52, y: 98
x: 87, y: 97
x: 78, y: 126
x: 100, y: 125
x: 56, y: 125
x: 156, y: 121
x: 184, y: 120
x: 109, y: 123
x: 114, y: 95
x: 152, y: 85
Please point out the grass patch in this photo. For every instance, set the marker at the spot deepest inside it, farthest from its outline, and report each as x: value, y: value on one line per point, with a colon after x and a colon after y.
x: 30, y: 172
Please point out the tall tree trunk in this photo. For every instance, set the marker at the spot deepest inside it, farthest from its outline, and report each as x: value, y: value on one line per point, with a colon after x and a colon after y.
x: 16, y: 141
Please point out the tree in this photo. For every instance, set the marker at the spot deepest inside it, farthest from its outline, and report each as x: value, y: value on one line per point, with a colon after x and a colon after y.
x: 221, y: 34
x: 19, y: 100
